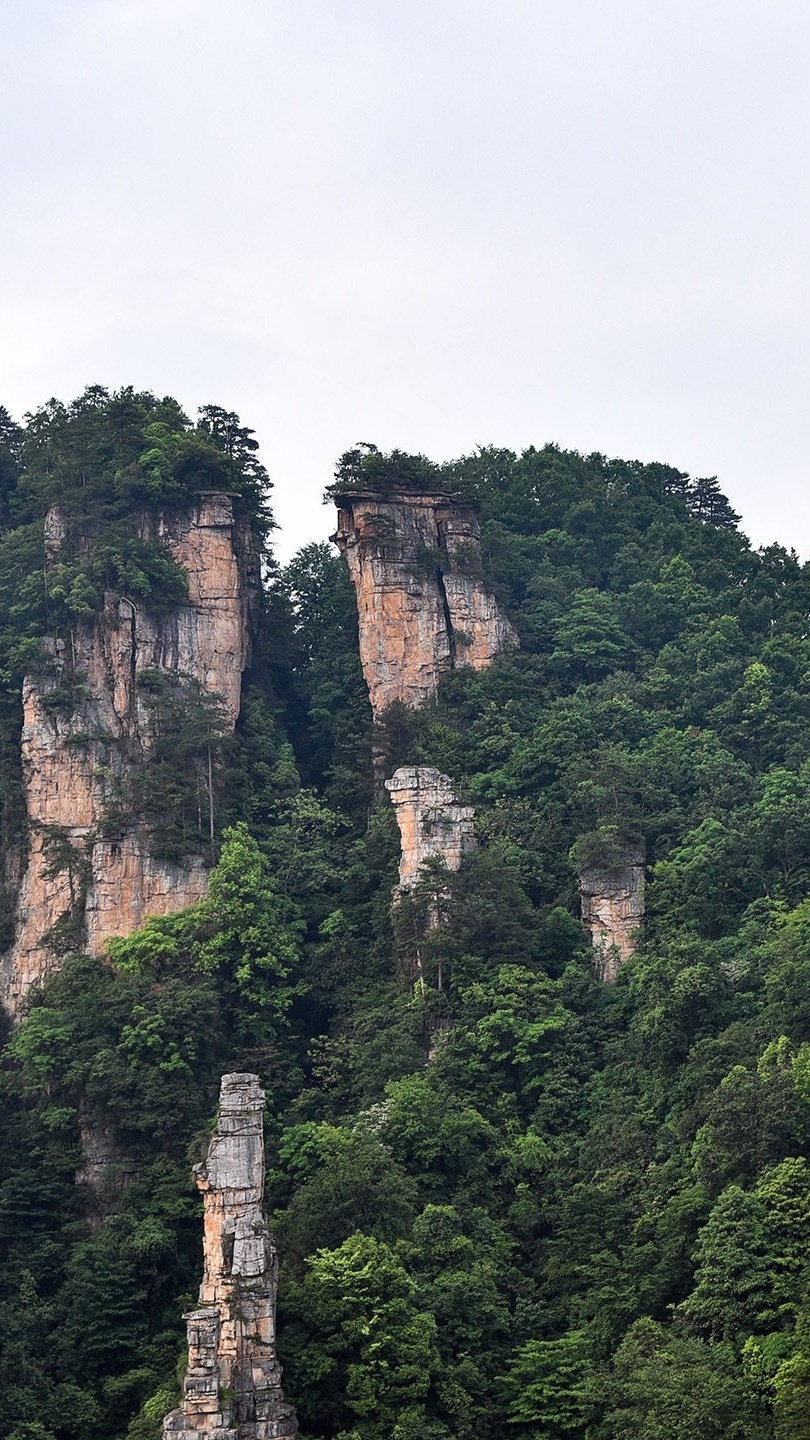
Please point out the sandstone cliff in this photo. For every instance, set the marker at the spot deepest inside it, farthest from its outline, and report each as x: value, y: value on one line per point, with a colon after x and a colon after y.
x: 612, y: 901
x: 415, y: 561
x: 433, y: 824
x: 88, y: 721
x: 232, y: 1388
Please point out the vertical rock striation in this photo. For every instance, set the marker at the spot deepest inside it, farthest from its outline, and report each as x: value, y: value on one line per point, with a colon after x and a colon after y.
x: 433, y: 824
x: 87, y: 721
x: 612, y: 901
x: 232, y: 1388
x: 415, y: 562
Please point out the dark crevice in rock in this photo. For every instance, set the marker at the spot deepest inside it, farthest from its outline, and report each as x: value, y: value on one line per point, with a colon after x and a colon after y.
x: 448, y: 619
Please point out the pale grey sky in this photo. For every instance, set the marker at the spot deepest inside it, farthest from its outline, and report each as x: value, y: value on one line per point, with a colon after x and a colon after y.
x: 430, y: 224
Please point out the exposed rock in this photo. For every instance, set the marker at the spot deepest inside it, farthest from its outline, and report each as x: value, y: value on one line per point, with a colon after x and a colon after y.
x: 433, y: 824
x: 232, y: 1388
x: 96, y: 885
x: 415, y: 562
x: 612, y: 901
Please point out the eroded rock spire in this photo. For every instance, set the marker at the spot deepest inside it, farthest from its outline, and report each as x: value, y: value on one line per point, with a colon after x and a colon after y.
x: 612, y: 901
x: 232, y: 1388
x: 433, y: 823
x: 91, y: 718
x: 423, y: 609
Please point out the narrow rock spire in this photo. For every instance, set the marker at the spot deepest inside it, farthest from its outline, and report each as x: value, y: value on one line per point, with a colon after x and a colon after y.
x: 612, y: 902
x: 433, y: 824
x: 423, y: 608
x: 232, y: 1389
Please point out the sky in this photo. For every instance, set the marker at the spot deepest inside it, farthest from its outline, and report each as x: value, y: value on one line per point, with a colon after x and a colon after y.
x: 431, y: 225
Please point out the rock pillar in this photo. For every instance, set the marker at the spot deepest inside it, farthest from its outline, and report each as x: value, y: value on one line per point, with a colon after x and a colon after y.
x: 90, y: 721
x: 433, y: 824
x: 423, y: 609
x: 612, y: 901
x: 232, y: 1388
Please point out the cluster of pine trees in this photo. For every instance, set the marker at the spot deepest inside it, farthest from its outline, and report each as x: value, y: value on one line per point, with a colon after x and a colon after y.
x: 588, y: 1217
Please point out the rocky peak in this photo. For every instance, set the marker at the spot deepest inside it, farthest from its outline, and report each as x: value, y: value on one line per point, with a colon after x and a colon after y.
x: 88, y: 723
x: 612, y: 901
x: 232, y: 1387
x: 415, y: 562
x: 433, y: 823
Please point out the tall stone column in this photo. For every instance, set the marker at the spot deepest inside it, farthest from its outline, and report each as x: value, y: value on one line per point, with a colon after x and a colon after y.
x: 232, y: 1389
x: 423, y: 609
x: 612, y: 902
x: 433, y: 824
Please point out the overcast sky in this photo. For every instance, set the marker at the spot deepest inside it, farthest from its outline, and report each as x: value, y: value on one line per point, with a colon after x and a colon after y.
x: 431, y: 224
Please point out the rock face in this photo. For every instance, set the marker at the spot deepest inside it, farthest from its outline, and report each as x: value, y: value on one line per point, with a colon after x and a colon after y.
x: 232, y: 1388
x: 612, y: 901
x: 415, y: 562
x: 91, y: 878
x: 432, y: 822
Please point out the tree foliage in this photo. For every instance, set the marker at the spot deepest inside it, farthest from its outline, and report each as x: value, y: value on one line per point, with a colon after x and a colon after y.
x: 509, y: 1199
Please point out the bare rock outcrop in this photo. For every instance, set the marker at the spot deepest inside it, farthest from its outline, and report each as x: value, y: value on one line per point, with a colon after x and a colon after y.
x: 415, y: 562
x: 232, y: 1388
x: 87, y: 720
x: 612, y: 902
x: 433, y: 824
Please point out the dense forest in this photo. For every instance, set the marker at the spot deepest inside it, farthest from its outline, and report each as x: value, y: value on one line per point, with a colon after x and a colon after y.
x: 588, y: 1215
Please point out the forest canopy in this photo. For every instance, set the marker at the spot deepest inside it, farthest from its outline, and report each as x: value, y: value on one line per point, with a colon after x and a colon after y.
x: 587, y: 1217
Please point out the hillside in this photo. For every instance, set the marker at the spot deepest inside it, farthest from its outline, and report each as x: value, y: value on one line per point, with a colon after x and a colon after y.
x: 508, y: 1197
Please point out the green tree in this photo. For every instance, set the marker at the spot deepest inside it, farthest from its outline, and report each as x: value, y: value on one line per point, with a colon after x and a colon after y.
x: 590, y: 639
x: 732, y: 1294
x: 371, y: 1357
x: 664, y: 1388
x: 547, y: 1388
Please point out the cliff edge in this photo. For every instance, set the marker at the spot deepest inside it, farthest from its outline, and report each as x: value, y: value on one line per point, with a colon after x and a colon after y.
x: 94, y: 713
x: 415, y: 562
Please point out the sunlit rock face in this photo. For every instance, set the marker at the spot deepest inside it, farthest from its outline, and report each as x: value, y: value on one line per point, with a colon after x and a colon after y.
x: 433, y: 824
x: 232, y: 1387
x: 612, y: 901
x: 415, y: 562
x: 74, y: 758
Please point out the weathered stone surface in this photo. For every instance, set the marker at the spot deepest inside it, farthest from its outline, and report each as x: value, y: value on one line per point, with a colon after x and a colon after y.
x: 433, y: 824
x: 612, y: 901
x: 232, y: 1389
x: 73, y: 762
x: 414, y: 560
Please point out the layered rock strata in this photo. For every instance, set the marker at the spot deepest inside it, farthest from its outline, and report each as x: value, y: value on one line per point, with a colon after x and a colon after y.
x: 612, y: 902
x: 99, y: 880
x: 415, y: 562
x: 433, y: 824
x: 232, y: 1387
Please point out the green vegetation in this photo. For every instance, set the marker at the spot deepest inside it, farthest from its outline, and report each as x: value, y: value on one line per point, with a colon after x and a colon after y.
x: 104, y: 468
x: 588, y: 1217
